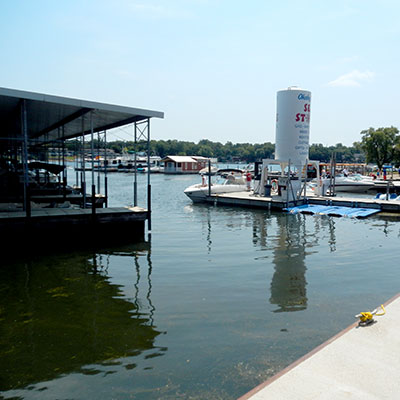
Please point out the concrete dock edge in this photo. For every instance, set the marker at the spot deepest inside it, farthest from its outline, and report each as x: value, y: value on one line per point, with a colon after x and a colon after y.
x: 263, y: 387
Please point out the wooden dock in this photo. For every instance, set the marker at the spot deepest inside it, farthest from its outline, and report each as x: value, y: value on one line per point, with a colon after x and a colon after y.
x: 71, y: 228
x: 249, y: 199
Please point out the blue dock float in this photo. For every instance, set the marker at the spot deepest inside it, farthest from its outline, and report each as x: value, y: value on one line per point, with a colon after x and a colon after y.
x: 337, y: 211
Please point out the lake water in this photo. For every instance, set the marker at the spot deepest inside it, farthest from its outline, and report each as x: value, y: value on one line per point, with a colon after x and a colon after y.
x: 216, y: 302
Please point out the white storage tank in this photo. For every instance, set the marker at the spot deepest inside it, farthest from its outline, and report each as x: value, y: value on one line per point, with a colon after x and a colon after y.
x: 292, y: 138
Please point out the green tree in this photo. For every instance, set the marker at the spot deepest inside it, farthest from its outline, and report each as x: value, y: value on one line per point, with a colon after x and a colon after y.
x: 358, y: 152
x: 226, y: 152
x: 319, y: 152
x: 380, y: 145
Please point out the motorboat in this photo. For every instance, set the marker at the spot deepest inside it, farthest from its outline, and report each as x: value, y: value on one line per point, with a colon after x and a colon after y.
x: 352, y: 183
x: 156, y: 166
x: 225, y: 181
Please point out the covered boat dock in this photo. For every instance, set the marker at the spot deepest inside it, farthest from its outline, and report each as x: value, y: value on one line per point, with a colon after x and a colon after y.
x: 34, y: 123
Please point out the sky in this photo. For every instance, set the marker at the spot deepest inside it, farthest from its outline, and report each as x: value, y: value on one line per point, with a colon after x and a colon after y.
x: 212, y: 66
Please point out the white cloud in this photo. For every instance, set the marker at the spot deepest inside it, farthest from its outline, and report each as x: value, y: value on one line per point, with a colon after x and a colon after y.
x: 353, y: 78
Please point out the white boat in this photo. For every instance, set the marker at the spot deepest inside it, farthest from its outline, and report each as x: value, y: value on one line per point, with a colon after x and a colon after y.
x: 226, y: 181
x: 352, y: 183
x: 389, y: 196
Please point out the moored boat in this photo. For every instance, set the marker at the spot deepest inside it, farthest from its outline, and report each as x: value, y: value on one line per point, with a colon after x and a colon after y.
x: 226, y: 181
x: 352, y: 183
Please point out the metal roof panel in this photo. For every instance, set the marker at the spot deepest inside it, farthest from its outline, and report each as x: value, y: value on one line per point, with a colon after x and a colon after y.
x: 179, y: 159
x: 47, y: 113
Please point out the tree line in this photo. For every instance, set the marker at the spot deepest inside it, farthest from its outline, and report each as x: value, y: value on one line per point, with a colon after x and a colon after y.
x: 378, y: 146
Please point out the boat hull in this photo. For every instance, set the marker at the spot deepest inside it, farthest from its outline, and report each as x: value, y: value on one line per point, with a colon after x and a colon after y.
x: 351, y: 185
x: 353, y: 188
x: 199, y: 193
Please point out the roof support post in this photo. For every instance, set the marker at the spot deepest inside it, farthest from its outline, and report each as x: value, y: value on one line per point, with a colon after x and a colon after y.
x: 135, y: 172
x: 58, y: 153
x: 27, y: 200
x: 64, y: 175
x: 144, y: 134
x: 83, y: 173
x: 76, y: 162
x: 98, y: 162
x: 105, y: 169
x: 92, y: 161
x: 148, y: 179
x: 209, y: 178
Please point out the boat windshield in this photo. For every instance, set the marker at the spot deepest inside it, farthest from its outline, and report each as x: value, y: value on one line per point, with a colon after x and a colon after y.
x: 227, y: 179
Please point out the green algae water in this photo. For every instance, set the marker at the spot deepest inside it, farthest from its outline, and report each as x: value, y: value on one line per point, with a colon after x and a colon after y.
x: 215, y: 302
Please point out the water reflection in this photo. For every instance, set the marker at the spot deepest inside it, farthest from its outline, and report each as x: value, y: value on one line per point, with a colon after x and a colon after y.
x: 287, y: 237
x: 204, y: 212
x: 290, y: 241
x: 288, y: 284
x: 63, y: 314
x: 332, y: 234
x: 149, y: 286
x: 261, y: 223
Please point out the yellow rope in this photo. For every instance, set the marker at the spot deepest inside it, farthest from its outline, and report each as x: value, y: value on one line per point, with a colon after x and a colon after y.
x: 367, y: 315
x: 382, y: 313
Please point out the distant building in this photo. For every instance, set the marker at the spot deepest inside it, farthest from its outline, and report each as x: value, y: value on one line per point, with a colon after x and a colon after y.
x: 184, y: 164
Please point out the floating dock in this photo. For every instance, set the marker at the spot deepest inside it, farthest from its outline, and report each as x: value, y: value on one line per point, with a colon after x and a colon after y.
x: 358, y: 363
x: 249, y: 199
x: 335, y: 211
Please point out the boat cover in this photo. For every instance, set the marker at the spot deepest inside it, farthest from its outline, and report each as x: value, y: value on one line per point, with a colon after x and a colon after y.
x: 336, y: 211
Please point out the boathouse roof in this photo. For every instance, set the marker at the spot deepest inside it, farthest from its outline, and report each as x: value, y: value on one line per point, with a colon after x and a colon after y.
x: 50, y: 118
x: 179, y: 159
x: 185, y: 158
